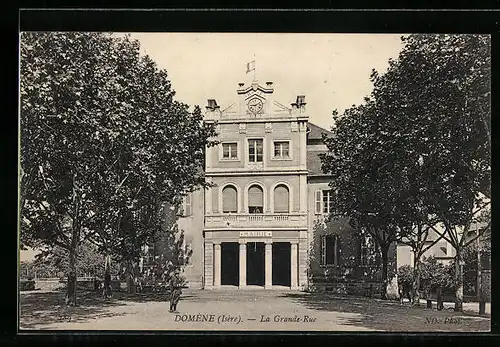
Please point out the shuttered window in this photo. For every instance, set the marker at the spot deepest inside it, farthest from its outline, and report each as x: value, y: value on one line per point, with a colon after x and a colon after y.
x: 281, y: 199
x: 229, y: 200
x: 329, y: 252
x: 323, y: 202
x: 255, y: 199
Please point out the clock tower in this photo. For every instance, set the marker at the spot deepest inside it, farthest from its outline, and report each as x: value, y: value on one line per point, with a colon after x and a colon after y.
x: 255, y: 223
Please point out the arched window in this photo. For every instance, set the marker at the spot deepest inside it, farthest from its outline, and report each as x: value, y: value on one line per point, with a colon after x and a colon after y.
x: 229, y: 199
x: 255, y: 199
x: 281, y: 199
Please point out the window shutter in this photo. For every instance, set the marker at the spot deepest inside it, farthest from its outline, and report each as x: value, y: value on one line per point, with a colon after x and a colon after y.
x: 281, y: 199
x: 323, y: 250
x: 337, y: 250
x: 255, y: 196
x: 229, y: 199
x: 188, y: 209
x: 318, y: 202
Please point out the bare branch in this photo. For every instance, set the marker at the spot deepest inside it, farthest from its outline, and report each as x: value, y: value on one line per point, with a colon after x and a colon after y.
x: 121, y: 183
x: 432, y: 244
x: 441, y: 234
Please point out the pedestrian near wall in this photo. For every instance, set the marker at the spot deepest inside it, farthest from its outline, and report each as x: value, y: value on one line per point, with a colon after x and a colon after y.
x: 175, y: 290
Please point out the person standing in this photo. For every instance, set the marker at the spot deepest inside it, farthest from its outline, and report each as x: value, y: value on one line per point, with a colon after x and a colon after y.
x: 175, y: 290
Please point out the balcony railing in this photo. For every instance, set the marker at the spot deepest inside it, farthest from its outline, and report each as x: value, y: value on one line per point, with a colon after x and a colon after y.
x: 275, y: 220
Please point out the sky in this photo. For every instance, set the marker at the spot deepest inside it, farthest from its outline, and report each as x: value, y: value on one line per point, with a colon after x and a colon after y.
x: 331, y: 70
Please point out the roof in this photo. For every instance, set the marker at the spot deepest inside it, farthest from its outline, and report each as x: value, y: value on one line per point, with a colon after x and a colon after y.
x: 314, y: 132
x: 313, y: 160
x: 314, y: 163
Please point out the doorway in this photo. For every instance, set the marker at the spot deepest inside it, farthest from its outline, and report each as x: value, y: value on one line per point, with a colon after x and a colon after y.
x: 230, y: 263
x: 281, y: 264
x: 255, y: 263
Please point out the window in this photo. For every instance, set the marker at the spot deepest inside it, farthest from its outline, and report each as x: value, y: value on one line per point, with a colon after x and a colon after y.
x: 369, y: 254
x: 324, y: 202
x: 230, y: 150
x: 255, y: 199
x: 255, y: 151
x: 281, y: 199
x: 282, y: 149
x: 327, y: 201
x: 229, y: 200
x: 329, y: 253
x: 187, y: 206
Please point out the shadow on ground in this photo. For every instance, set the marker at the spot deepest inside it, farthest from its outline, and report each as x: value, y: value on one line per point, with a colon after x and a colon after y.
x: 387, y: 315
x: 39, y: 309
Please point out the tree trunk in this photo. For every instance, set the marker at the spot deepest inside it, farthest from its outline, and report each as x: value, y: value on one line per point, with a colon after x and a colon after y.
x: 71, y: 281
x: 479, y: 289
x: 75, y: 237
x: 130, y: 277
x: 459, y: 283
x: 107, y: 276
x: 385, y: 274
x: 416, y: 282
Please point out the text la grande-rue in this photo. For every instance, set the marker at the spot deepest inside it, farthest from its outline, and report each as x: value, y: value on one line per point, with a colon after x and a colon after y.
x: 282, y: 319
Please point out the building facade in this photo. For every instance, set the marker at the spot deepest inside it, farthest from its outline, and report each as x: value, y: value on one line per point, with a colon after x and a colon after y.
x: 262, y: 222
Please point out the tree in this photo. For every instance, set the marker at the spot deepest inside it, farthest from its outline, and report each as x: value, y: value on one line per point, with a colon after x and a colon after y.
x: 54, y: 261
x: 417, y: 152
x: 440, y: 86
x: 364, y: 188
x: 103, y: 143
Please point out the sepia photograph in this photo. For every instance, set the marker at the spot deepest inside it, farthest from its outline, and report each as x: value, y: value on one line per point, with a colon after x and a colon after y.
x: 204, y: 181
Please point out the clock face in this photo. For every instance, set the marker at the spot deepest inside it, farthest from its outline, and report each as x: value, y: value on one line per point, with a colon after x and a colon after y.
x: 255, y: 105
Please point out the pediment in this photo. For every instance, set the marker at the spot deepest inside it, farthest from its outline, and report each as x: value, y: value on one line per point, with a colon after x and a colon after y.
x: 255, y: 88
x: 255, y: 95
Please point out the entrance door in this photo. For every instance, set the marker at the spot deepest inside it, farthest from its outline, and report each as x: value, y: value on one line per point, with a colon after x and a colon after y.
x: 281, y: 264
x: 230, y: 263
x: 255, y: 263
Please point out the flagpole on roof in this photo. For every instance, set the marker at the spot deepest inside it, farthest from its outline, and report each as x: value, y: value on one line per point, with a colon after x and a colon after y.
x: 254, y: 68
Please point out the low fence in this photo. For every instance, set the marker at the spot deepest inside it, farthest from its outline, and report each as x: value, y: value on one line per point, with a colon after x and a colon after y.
x: 356, y: 287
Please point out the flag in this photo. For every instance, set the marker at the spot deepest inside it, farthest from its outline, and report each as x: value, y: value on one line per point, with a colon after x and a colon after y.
x: 251, y: 66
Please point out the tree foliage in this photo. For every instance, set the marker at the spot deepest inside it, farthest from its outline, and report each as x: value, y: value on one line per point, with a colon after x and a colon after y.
x: 103, y: 143
x: 417, y: 151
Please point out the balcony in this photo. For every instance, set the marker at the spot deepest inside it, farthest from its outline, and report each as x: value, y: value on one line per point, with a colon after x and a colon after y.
x: 275, y: 221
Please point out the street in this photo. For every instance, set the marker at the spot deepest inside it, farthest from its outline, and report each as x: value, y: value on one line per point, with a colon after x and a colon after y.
x: 238, y: 310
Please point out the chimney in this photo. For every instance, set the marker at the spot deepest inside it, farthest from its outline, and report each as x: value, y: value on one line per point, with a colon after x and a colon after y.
x: 212, y: 105
x: 300, y: 103
x: 301, y: 100
x: 241, y: 84
x: 269, y: 84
